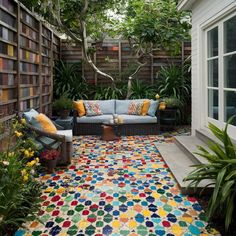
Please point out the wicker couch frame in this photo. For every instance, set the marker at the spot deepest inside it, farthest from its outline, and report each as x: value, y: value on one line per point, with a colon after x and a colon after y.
x: 124, y: 129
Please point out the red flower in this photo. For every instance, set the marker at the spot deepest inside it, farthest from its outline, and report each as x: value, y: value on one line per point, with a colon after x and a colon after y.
x: 50, y: 154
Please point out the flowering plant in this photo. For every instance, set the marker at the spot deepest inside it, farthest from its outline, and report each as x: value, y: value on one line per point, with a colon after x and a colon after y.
x: 50, y: 154
x: 20, y: 191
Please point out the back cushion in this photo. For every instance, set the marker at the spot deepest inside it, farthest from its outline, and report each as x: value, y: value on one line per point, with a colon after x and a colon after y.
x: 122, y: 106
x: 29, y: 114
x: 107, y: 106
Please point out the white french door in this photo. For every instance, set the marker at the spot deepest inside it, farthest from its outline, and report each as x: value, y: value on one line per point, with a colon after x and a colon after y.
x: 220, y: 64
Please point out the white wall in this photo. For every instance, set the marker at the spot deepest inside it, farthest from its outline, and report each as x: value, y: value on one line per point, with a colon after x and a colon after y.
x: 204, y: 12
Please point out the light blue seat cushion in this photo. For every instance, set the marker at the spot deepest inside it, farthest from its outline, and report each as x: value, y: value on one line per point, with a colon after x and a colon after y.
x: 107, y: 106
x: 35, y: 123
x: 29, y: 114
x: 153, y: 108
x: 67, y: 133
x: 94, y: 119
x: 133, y: 119
x: 122, y: 106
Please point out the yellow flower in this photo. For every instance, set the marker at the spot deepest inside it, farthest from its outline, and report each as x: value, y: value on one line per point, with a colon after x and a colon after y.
x: 27, y: 154
x: 23, y: 172
x: 31, y: 163
x: 157, y: 96
x: 37, y: 160
x: 25, y: 178
x: 11, y: 154
x: 18, y: 134
x: 23, y: 121
x: 31, y: 154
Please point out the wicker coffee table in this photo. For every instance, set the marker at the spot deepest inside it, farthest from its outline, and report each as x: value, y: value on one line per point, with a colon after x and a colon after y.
x: 110, y: 131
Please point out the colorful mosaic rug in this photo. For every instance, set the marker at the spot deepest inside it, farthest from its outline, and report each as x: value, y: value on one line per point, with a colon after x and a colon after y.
x: 117, y: 188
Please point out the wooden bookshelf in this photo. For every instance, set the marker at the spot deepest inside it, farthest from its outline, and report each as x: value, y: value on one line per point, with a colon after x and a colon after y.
x: 28, y: 51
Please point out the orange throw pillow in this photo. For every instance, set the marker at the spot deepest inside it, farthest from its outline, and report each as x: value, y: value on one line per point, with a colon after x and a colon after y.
x: 79, y: 106
x: 46, y: 123
x: 145, y: 107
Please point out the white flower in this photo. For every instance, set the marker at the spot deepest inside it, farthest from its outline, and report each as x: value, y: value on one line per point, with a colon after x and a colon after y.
x: 5, y: 163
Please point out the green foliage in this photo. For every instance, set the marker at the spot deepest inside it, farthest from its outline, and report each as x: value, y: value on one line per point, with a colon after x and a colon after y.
x: 221, y: 172
x: 172, y: 102
x: 141, y: 89
x: 19, y: 191
x: 108, y: 92
x: 69, y: 80
x: 174, y: 81
x: 156, y: 24
x: 63, y: 103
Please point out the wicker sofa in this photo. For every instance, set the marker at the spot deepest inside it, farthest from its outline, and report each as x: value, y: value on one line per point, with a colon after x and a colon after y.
x: 132, y: 124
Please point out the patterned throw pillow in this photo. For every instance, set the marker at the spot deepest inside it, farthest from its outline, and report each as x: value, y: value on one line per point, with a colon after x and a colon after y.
x: 135, y: 108
x: 92, y: 108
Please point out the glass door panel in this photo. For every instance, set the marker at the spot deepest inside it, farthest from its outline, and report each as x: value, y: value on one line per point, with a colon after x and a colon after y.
x: 213, y: 104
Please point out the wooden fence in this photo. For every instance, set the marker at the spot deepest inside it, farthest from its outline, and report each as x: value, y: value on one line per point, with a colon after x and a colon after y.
x: 115, y: 58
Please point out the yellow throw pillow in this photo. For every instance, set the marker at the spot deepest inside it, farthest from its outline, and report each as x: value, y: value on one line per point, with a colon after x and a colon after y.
x: 79, y: 106
x: 46, y: 123
x: 145, y: 107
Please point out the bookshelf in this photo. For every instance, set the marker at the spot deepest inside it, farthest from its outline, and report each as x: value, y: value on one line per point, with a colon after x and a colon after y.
x: 28, y: 51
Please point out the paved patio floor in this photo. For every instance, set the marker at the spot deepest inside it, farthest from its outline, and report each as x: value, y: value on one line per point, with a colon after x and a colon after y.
x: 117, y: 188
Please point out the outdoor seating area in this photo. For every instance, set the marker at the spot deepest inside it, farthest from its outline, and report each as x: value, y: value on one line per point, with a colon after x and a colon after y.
x: 117, y: 117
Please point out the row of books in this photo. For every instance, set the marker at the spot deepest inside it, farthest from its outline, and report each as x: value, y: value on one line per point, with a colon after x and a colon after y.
x: 7, y: 110
x: 29, y: 19
x: 29, y: 32
x: 46, y: 80
x: 7, y: 94
x: 30, y: 56
x: 28, y: 67
x: 31, y: 91
x: 46, y: 99
x: 8, y: 19
x: 46, y: 70
x: 7, y: 49
x: 7, y: 64
x: 46, y: 89
x: 47, y: 33
x: 45, y: 60
x: 29, y: 79
x: 25, y: 42
x: 45, y: 51
x: 30, y: 103
x: 46, y: 42
x: 7, y: 79
x: 7, y: 34
x: 46, y: 109
x: 9, y: 5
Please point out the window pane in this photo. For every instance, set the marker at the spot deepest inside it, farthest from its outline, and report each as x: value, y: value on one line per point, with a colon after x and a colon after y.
x: 213, y: 73
x: 230, y: 71
x: 212, y: 39
x: 213, y: 107
x: 230, y: 105
x: 230, y: 35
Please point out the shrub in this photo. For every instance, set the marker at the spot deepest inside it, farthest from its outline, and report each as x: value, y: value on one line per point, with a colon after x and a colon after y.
x: 63, y: 103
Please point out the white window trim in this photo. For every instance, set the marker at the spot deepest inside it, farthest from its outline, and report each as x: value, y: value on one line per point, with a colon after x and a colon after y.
x: 204, y: 80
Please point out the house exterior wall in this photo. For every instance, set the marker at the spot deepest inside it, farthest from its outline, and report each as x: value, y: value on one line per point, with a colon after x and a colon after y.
x: 204, y: 13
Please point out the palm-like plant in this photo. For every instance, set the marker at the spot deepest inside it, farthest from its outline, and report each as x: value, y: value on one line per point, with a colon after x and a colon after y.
x: 141, y: 90
x: 221, y: 170
x: 68, y: 80
x: 173, y: 81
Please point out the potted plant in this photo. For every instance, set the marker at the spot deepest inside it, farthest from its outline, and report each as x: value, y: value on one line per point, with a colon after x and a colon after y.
x: 63, y: 106
x: 49, y: 158
x: 169, y: 112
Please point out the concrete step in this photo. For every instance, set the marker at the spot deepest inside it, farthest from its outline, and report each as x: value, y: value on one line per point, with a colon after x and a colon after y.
x: 180, y: 166
x: 188, y: 144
